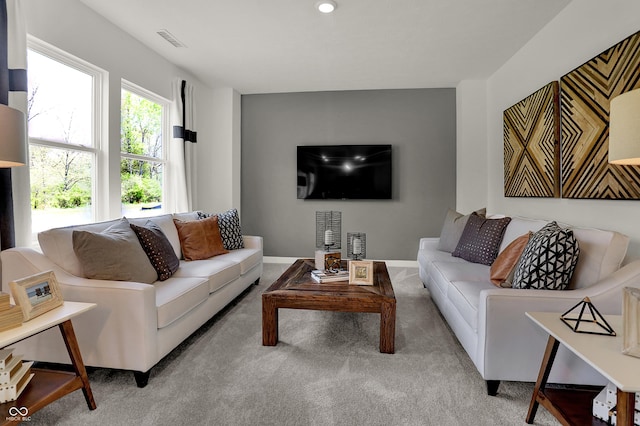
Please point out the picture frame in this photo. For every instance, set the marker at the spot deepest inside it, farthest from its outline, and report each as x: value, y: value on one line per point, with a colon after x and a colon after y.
x: 630, y: 318
x: 361, y: 272
x: 36, y: 294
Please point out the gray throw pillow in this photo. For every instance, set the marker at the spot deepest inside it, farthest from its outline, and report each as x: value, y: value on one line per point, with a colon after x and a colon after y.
x: 548, y: 260
x: 453, y: 227
x: 113, y: 254
x: 481, y: 239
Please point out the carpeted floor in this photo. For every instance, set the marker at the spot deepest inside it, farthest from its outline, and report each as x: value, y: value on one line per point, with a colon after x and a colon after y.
x: 326, y: 370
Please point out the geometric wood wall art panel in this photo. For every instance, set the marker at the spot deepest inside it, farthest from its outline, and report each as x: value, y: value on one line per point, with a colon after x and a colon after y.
x: 585, y: 94
x: 531, y: 145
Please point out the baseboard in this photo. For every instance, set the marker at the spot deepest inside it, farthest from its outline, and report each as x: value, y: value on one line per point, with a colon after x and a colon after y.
x: 393, y: 263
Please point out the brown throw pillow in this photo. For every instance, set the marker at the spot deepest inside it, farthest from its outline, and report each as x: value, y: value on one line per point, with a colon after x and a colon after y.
x: 481, y: 238
x: 158, y: 249
x: 504, y: 266
x: 200, y: 239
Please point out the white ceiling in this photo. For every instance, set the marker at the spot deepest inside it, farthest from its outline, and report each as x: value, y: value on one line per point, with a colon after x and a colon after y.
x: 261, y: 46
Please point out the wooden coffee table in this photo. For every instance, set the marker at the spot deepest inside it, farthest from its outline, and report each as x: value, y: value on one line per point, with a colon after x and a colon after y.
x: 296, y: 290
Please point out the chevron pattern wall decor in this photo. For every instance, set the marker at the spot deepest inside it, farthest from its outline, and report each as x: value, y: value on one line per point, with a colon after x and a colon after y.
x: 585, y: 94
x: 531, y: 145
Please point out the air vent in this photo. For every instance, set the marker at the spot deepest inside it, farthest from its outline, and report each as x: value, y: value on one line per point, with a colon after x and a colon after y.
x: 170, y: 38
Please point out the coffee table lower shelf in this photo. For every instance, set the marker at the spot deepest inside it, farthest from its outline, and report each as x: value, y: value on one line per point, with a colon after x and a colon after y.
x: 570, y: 406
x: 45, y: 387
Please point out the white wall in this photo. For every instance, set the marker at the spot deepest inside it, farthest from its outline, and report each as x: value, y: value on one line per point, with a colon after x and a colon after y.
x: 581, y: 31
x: 471, y: 145
x: 219, y: 165
x: 71, y: 26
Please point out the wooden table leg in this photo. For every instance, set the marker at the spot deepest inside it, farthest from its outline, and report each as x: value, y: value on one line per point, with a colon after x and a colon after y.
x: 69, y: 337
x: 625, y: 408
x: 543, y: 376
x: 388, y: 327
x: 269, y: 322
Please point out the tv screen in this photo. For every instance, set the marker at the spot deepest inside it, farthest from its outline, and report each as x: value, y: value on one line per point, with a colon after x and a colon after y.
x: 344, y: 172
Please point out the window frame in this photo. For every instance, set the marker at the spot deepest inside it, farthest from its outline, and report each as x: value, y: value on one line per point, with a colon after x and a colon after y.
x: 165, y: 129
x: 99, y: 139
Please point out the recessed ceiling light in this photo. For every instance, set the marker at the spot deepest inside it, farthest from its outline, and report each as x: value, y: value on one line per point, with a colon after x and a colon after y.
x: 326, y: 6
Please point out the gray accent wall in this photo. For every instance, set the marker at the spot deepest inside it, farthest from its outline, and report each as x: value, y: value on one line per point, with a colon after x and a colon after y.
x: 420, y: 124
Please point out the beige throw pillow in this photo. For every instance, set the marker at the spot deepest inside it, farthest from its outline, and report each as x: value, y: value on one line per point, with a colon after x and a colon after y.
x: 113, y: 254
x: 453, y: 228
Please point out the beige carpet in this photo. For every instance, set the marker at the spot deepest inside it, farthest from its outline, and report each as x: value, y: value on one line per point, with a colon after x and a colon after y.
x: 326, y: 370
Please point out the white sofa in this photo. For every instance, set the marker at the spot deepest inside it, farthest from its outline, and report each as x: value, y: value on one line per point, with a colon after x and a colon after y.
x: 490, y: 321
x: 135, y: 324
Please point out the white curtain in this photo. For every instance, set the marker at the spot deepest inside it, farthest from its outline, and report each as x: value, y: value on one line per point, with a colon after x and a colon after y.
x: 14, y: 49
x: 182, y: 151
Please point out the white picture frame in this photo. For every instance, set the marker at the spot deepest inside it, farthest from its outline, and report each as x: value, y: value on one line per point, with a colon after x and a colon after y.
x: 361, y: 272
x: 36, y: 294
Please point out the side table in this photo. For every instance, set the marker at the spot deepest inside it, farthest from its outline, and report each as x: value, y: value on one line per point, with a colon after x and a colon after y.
x: 603, y: 353
x: 47, y: 385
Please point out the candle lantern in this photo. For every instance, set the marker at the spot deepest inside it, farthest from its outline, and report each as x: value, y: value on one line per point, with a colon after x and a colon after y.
x: 328, y: 230
x: 356, y: 245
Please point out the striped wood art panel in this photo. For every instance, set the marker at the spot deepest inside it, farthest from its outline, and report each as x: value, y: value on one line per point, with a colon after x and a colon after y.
x: 531, y: 145
x: 585, y: 96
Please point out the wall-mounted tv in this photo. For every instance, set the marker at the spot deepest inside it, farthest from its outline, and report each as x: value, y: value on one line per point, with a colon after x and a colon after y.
x: 344, y: 172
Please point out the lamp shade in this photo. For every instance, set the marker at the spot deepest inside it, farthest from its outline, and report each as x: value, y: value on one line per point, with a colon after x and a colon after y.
x: 624, y: 128
x: 13, y: 137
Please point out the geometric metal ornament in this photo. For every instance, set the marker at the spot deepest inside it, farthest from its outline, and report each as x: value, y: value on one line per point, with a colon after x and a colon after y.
x: 585, y: 318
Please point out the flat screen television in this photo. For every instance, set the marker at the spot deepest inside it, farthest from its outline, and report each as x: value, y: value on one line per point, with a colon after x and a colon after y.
x: 344, y: 172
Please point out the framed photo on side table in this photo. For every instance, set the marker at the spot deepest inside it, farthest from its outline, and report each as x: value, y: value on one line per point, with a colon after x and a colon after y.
x: 361, y: 272
x: 36, y: 294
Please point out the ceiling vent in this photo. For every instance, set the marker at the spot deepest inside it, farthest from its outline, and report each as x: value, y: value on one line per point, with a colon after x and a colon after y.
x: 171, y: 38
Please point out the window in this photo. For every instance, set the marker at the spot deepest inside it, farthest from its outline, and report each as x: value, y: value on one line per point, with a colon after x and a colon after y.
x: 63, y: 103
x: 142, y: 128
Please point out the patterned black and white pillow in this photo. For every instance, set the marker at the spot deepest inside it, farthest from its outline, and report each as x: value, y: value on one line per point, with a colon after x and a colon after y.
x: 230, y: 231
x: 548, y: 260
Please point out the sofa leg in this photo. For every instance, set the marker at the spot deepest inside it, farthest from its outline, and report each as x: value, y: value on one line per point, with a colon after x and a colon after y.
x: 256, y: 282
x: 142, y: 378
x: 492, y: 387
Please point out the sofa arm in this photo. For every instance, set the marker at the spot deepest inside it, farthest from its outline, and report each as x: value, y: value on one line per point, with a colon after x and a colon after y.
x: 502, y: 321
x: 429, y: 243
x: 119, y: 333
x: 252, y: 241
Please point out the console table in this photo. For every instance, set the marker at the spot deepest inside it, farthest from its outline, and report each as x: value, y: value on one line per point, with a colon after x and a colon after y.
x: 47, y: 385
x: 603, y: 353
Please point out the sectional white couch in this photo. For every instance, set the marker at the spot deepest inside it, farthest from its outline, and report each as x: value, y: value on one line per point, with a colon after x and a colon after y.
x: 490, y: 322
x: 135, y: 324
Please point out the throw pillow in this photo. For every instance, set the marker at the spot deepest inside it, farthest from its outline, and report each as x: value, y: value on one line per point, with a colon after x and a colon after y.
x: 453, y: 227
x: 503, y: 268
x: 548, y: 260
x: 113, y: 254
x: 230, y: 231
x: 200, y: 239
x: 481, y: 239
x: 158, y: 249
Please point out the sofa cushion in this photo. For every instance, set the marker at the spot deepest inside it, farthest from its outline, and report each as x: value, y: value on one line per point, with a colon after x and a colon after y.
x: 445, y: 272
x: 158, y: 249
x: 248, y: 258
x: 200, y: 239
x: 219, y: 270
x: 520, y: 226
x: 230, y: 231
x: 548, y: 260
x: 452, y: 229
x: 503, y: 268
x: 113, y: 254
x: 175, y: 297
x: 465, y: 297
x: 165, y: 223
x: 481, y: 239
